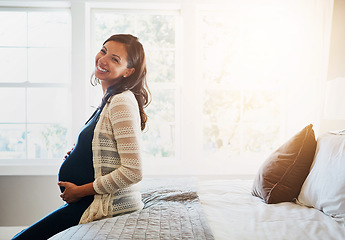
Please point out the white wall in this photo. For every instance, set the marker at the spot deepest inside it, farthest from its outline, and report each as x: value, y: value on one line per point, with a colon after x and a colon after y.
x: 336, y: 65
x: 26, y: 199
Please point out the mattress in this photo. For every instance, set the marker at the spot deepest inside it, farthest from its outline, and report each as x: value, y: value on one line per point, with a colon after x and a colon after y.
x: 233, y: 213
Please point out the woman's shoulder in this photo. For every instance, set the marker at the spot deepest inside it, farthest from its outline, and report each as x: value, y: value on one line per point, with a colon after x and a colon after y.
x: 124, y: 98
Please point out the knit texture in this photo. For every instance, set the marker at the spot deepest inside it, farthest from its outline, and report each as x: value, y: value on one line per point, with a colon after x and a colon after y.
x: 116, y: 159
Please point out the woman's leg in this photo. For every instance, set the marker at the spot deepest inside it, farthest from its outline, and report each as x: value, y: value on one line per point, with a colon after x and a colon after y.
x: 66, y: 216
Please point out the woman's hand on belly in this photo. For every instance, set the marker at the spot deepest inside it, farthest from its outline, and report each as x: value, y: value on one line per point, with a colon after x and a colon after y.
x: 71, y: 193
x: 74, y: 193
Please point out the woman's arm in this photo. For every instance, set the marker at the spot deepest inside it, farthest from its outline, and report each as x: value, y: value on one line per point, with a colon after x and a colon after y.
x: 125, y: 125
x: 74, y: 193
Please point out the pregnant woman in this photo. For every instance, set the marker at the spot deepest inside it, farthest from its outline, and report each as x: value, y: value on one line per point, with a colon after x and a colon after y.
x: 98, y: 178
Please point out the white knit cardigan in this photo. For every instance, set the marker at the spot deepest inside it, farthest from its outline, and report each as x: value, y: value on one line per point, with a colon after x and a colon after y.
x: 116, y: 159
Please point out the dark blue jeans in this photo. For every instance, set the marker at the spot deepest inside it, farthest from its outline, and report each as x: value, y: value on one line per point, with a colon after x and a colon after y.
x: 66, y: 216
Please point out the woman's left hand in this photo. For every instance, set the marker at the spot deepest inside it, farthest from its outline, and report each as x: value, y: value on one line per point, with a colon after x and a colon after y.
x: 71, y: 193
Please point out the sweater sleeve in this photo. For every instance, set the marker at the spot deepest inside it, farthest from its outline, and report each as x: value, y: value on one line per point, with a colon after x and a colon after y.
x: 125, y: 122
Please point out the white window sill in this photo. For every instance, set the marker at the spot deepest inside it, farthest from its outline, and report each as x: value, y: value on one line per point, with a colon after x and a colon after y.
x: 29, y: 167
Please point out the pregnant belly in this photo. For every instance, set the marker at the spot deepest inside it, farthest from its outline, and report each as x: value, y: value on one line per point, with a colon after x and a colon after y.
x: 76, y: 170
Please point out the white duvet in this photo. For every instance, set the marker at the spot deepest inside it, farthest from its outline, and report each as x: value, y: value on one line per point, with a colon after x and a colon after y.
x: 233, y: 213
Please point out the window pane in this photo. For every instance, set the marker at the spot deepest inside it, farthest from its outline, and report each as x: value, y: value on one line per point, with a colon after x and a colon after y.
x: 159, y: 141
x: 222, y: 140
x: 48, y: 105
x: 12, y: 105
x: 110, y: 23
x: 221, y: 56
x: 13, y: 28
x: 213, y: 26
x: 246, y: 107
x: 48, y: 65
x: 13, y: 62
x: 48, y: 29
x: 34, y: 48
x: 157, y: 34
x: 261, y: 106
x: 162, y: 107
x: 220, y: 65
x: 164, y: 61
x: 47, y: 141
x: 222, y: 106
x: 260, y: 137
x: 12, y: 141
x: 157, y: 31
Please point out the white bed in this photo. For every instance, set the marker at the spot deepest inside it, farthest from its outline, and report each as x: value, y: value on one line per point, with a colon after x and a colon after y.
x: 301, y: 170
x: 233, y: 213
x: 228, y: 212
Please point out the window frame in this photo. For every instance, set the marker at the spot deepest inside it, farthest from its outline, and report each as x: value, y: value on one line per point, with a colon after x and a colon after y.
x: 29, y: 166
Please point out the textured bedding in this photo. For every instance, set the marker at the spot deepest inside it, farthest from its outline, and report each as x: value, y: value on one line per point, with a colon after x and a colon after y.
x: 172, y: 211
x: 213, y: 209
x: 233, y: 213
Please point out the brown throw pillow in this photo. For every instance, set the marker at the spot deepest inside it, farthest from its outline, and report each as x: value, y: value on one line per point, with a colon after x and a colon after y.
x: 281, y: 176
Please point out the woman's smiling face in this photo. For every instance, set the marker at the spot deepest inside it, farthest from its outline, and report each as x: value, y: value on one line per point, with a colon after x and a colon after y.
x: 111, y: 64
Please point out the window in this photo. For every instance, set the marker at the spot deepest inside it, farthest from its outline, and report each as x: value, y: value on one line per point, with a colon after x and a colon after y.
x: 242, y: 100
x: 34, y: 87
x: 237, y: 113
x: 230, y: 81
x: 157, y: 31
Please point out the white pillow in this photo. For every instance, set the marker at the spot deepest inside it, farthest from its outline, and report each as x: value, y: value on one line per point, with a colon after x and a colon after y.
x: 324, y: 188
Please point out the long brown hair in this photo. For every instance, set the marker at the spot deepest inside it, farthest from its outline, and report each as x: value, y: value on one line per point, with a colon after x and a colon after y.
x: 136, y: 82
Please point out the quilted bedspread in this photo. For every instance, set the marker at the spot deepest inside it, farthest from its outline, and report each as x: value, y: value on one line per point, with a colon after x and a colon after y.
x: 172, y: 211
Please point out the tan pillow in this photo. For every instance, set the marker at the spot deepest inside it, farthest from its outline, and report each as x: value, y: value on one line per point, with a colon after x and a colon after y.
x: 281, y: 176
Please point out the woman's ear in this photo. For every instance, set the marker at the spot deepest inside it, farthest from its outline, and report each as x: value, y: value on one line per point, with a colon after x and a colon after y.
x: 129, y: 72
